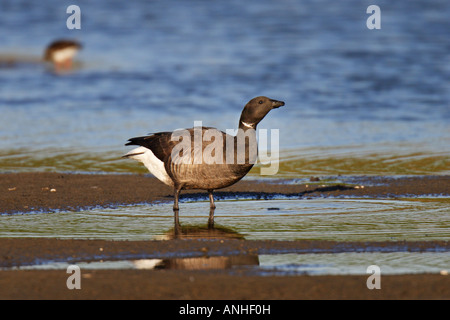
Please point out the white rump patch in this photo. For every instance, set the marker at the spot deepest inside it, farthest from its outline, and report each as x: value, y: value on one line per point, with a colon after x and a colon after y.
x: 153, y: 164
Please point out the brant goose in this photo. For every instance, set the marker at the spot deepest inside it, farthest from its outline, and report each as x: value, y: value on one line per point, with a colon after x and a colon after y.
x: 61, y: 53
x: 221, y: 162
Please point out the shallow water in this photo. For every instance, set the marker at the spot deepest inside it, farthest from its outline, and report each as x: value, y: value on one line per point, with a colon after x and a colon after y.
x: 288, y: 219
x: 357, y: 100
x: 284, y: 219
x: 283, y: 264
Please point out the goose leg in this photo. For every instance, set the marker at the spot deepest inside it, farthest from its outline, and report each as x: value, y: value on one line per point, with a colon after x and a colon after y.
x: 211, y: 218
x: 176, y: 211
x: 212, y: 207
x: 176, y: 195
x: 211, y: 199
x: 176, y: 225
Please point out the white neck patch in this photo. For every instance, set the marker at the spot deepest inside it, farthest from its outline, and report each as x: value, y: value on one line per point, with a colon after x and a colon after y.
x: 248, y: 125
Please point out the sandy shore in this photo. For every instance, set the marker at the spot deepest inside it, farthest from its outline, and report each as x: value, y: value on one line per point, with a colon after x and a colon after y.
x: 210, y: 285
x: 25, y: 192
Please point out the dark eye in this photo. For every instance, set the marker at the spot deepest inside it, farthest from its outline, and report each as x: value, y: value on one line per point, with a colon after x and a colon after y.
x: 260, y: 102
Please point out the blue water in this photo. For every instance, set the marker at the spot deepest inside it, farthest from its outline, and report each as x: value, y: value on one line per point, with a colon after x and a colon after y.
x: 149, y: 66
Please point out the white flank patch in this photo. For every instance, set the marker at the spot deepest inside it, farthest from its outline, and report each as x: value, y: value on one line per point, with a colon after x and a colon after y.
x: 64, y: 54
x: 153, y: 164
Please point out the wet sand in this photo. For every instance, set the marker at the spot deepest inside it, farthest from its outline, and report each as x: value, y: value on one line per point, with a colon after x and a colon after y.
x: 26, y: 192
x: 228, y: 283
x: 213, y: 285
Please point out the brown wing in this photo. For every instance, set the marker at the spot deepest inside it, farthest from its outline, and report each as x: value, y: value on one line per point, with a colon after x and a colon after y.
x: 206, y: 165
x: 195, y: 165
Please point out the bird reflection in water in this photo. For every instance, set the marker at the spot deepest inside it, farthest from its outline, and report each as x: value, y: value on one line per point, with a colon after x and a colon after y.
x: 177, y: 227
x: 204, y: 262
